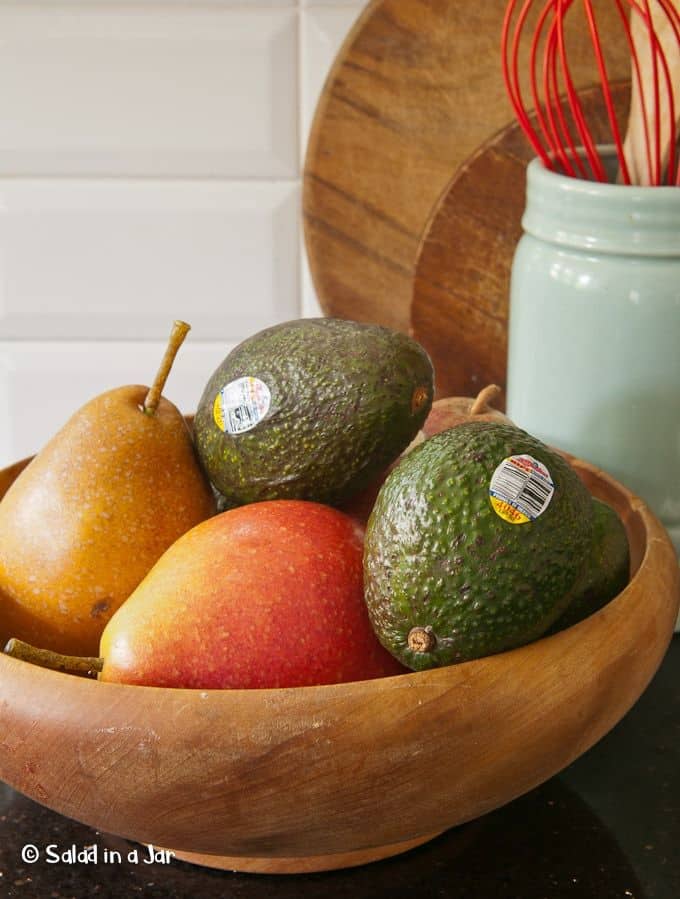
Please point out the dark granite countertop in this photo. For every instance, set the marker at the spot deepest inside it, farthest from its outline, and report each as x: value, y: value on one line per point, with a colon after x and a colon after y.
x: 608, y: 827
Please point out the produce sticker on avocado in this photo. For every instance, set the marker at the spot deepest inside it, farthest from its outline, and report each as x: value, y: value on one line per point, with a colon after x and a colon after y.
x: 521, y: 489
x: 241, y: 404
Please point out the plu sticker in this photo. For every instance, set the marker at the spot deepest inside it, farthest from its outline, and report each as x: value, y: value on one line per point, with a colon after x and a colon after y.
x: 521, y: 489
x: 241, y: 405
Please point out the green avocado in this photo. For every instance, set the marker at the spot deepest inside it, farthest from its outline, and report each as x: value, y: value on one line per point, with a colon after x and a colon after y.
x: 474, y: 543
x: 607, y: 571
x: 311, y: 409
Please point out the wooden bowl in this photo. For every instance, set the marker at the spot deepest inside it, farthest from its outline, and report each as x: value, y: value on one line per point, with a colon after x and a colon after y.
x: 316, y: 778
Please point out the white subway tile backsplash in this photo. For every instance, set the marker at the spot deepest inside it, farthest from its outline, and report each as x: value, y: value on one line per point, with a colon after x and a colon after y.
x: 310, y: 301
x: 119, y: 259
x: 165, y: 4
x: 324, y: 29
x: 42, y: 384
x: 109, y: 89
x: 150, y: 169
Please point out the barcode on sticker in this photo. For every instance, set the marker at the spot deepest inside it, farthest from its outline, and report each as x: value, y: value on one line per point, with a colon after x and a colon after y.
x: 523, y: 484
x: 240, y: 418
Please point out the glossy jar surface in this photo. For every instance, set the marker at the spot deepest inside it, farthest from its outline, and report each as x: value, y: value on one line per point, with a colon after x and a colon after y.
x: 594, y: 333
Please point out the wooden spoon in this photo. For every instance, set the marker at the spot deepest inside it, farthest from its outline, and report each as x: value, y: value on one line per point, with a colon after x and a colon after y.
x: 640, y: 162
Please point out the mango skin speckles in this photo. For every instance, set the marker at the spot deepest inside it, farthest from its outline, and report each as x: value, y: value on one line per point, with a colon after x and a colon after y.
x: 438, y: 556
x: 267, y: 595
x: 342, y: 408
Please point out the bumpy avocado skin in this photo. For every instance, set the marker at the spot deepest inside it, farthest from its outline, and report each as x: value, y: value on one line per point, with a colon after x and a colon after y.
x: 342, y: 408
x: 608, y: 570
x: 438, y: 556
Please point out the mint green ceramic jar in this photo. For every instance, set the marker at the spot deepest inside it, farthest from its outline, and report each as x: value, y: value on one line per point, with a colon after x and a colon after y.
x: 594, y: 334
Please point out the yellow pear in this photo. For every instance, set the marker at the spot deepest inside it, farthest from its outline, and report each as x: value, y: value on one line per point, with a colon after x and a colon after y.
x: 92, y: 513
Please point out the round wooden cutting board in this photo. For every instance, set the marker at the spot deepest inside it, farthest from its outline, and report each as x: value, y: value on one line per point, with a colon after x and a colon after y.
x: 415, y: 89
x: 462, y: 272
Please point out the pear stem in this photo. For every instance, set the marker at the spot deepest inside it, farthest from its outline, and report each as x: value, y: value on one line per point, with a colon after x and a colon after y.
x: 484, y: 398
x: 88, y: 665
x: 179, y: 332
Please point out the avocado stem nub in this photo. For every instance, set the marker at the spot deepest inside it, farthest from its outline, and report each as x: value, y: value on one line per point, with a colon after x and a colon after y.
x: 179, y: 332
x: 89, y: 665
x: 418, y: 398
x: 421, y: 639
x: 484, y: 399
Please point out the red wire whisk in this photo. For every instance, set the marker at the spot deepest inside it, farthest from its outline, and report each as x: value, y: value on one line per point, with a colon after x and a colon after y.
x: 559, y: 131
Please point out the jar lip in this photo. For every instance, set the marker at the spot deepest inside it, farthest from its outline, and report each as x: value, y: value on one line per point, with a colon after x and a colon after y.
x: 537, y: 172
x: 602, y: 217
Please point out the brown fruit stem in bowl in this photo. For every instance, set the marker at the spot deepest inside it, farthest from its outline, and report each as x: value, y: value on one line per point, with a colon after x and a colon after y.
x: 45, y: 658
x: 484, y: 399
x: 179, y: 331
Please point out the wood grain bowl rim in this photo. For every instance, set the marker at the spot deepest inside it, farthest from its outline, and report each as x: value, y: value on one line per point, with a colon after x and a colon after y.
x: 601, y: 665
